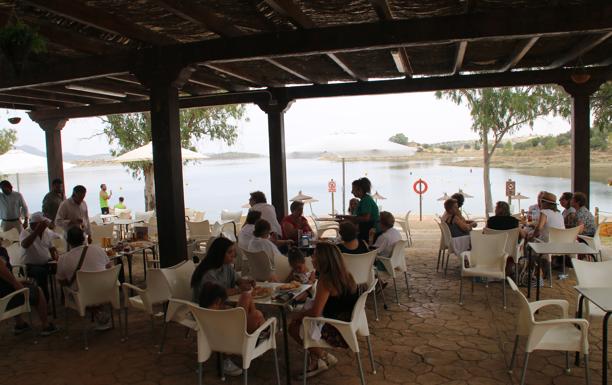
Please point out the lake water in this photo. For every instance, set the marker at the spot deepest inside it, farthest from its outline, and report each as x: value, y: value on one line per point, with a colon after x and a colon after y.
x: 214, y: 185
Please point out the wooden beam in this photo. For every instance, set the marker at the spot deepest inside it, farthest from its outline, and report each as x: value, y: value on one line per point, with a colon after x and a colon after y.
x: 61, y: 92
x: 98, y: 18
x: 292, y: 71
x: 200, y: 14
x: 17, y: 106
x: 583, y: 47
x: 235, y: 74
x: 519, y: 52
x: 345, y: 67
x: 382, y: 9
x: 49, y: 96
x: 293, y: 12
x: 29, y: 101
x: 521, y: 23
x: 459, y: 56
x: 505, y: 79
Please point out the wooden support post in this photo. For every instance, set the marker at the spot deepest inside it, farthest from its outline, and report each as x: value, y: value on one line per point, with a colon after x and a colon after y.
x: 164, y: 80
x: 53, y: 139
x: 581, y: 134
x: 275, y: 109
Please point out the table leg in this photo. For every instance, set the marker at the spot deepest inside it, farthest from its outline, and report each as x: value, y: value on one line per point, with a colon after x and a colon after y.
x: 604, y: 350
x: 538, y: 274
x: 129, y: 259
x: 579, y: 315
x: 529, y: 269
x: 144, y: 262
x: 52, y: 290
x: 286, y: 344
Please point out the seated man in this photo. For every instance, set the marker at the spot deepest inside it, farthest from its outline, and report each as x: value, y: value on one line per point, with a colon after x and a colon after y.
x: 9, y: 284
x: 37, y: 240
x: 83, y: 257
x: 121, y: 204
x: 502, y: 220
x: 389, y: 236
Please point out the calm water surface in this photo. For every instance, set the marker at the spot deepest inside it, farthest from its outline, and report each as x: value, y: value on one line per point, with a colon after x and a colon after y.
x: 225, y: 184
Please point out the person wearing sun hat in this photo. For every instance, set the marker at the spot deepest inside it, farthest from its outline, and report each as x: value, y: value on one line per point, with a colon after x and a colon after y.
x: 37, y: 240
x: 550, y: 217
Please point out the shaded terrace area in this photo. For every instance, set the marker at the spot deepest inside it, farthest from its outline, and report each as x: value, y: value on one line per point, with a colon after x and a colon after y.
x: 430, y: 340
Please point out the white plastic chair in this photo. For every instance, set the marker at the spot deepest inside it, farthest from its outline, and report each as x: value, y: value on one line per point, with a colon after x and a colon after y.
x: 357, y: 326
x: 231, y: 216
x: 442, y: 249
x: 361, y: 267
x: 406, y: 227
x: 199, y: 232
x: 21, y: 309
x: 11, y: 235
x: 157, y: 292
x: 260, y: 265
x: 513, y: 246
x: 448, y: 243
x: 98, y: 232
x: 123, y: 213
x: 592, y: 274
x: 394, y: 264
x: 229, y: 231
x: 561, y: 334
x: 594, y: 242
x: 198, y: 216
x: 224, y: 331
x: 322, y: 227
x: 94, y: 288
x: 178, y: 278
x: 16, y: 258
x: 487, y: 259
x: 560, y: 236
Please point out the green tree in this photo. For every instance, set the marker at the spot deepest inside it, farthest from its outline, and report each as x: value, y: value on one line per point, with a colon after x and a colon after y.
x: 8, y: 137
x: 497, y: 112
x: 399, y: 138
x: 130, y: 131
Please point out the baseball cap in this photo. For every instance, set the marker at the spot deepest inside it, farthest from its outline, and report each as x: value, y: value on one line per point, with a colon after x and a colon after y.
x: 38, y: 217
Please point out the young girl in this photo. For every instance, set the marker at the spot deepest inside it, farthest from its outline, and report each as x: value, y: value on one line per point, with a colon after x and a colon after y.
x: 299, y: 270
x: 213, y: 296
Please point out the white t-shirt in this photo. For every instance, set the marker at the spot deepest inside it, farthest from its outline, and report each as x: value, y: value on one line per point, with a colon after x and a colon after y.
x: 95, y: 260
x: 385, y: 241
x: 246, y: 235
x: 265, y: 245
x: 554, y: 219
x: 38, y: 252
x: 268, y: 212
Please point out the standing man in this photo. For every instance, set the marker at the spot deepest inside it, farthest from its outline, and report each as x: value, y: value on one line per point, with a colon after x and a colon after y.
x: 259, y: 203
x: 12, y: 208
x: 104, y: 197
x: 54, y: 198
x: 37, y: 240
x: 73, y: 212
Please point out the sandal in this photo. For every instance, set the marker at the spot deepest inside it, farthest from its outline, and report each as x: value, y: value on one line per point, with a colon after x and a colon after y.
x: 320, y: 366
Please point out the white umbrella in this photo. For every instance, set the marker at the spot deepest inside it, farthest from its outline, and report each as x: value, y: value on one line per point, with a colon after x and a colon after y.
x: 519, y: 197
x: 21, y: 162
x: 465, y: 195
x: 444, y: 197
x: 300, y: 197
x: 145, y: 153
x: 310, y: 201
x: 377, y: 196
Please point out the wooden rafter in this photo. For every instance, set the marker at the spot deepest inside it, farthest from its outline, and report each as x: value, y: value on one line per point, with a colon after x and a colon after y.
x: 459, y: 56
x: 25, y: 100
x: 98, y: 18
x: 200, y: 14
x: 235, y: 74
x: 402, y: 61
x: 519, y: 53
x: 50, y: 96
x: 113, y: 85
x: 382, y: 9
x: 292, y: 71
x: 60, y: 90
x: 583, y: 47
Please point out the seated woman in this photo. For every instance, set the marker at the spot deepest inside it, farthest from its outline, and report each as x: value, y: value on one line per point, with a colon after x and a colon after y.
x: 261, y: 242
x: 295, y: 222
x: 549, y: 217
x: 9, y: 284
x: 366, y: 215
x: 336, y: 296
x: 246, y: 232
x: 457, y: 225
x: 389, y: 236
x: 353, y: 204
x: 217, y: 267
x: 502, y: 220
x: 350, y: 244
x: 460, y: 200
x: 213, y: 296
x: 583, y: 216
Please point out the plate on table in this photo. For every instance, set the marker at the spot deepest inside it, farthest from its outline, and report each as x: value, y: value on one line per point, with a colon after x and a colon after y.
x: 289, y: 286
x: 262, y: 292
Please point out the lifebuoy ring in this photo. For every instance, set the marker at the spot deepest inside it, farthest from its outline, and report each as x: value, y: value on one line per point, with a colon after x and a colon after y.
x: 420, y: 187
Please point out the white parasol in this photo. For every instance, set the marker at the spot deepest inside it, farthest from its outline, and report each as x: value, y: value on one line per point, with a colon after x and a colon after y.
x: 145, y: 154
x: 519, y: 197
x: 20, y: 162
x: 377, y: 196
x: 300, y: 197
x: 444, y: 197
x: 465, y: 195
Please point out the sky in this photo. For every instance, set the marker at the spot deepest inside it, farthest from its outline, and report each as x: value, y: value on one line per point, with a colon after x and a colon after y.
x: 420, y: 116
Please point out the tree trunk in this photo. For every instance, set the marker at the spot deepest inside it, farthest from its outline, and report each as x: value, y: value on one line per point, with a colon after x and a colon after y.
x: 149, y: 191
x: 486, y: 163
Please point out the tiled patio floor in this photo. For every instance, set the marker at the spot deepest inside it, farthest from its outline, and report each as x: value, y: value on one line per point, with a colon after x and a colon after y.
x: 428, y: 340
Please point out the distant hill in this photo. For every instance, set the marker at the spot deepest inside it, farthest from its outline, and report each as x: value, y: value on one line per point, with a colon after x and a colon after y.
x: 67, y: 155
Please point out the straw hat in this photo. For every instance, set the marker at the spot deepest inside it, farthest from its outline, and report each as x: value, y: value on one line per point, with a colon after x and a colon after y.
x: 548, y: 197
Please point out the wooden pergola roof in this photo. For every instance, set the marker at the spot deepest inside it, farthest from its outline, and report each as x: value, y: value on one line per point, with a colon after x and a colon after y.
x: 306, y: 48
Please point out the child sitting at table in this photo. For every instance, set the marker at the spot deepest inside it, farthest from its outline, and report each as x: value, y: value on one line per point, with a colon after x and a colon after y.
x: 213, y: 296
x: 299, y: 270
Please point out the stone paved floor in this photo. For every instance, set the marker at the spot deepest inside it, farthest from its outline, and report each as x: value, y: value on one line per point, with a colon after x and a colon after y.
x: 428, y: 340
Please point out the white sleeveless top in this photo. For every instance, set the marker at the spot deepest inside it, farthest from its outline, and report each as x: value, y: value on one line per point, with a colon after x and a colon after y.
x: 554, y: 219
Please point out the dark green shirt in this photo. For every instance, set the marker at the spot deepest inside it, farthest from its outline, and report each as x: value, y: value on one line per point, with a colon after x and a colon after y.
x: 368, y: 206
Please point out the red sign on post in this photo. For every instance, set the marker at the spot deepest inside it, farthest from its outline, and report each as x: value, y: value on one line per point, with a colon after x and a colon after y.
x: 331, y: 186
x: 420, y: 187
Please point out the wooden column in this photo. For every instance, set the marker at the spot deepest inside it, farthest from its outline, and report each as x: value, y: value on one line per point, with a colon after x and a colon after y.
x: 164, y: 81
x: 275, y: 109
x: 581, y: 134
x: 53, y: 139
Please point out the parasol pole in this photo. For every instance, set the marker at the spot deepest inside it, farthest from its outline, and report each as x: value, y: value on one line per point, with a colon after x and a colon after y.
x: 343, y: 186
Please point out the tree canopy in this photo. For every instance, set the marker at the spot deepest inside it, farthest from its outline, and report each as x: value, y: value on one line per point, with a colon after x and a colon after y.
x: 8, y: 137
x: 130, y: 131
x: 399, y: 138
